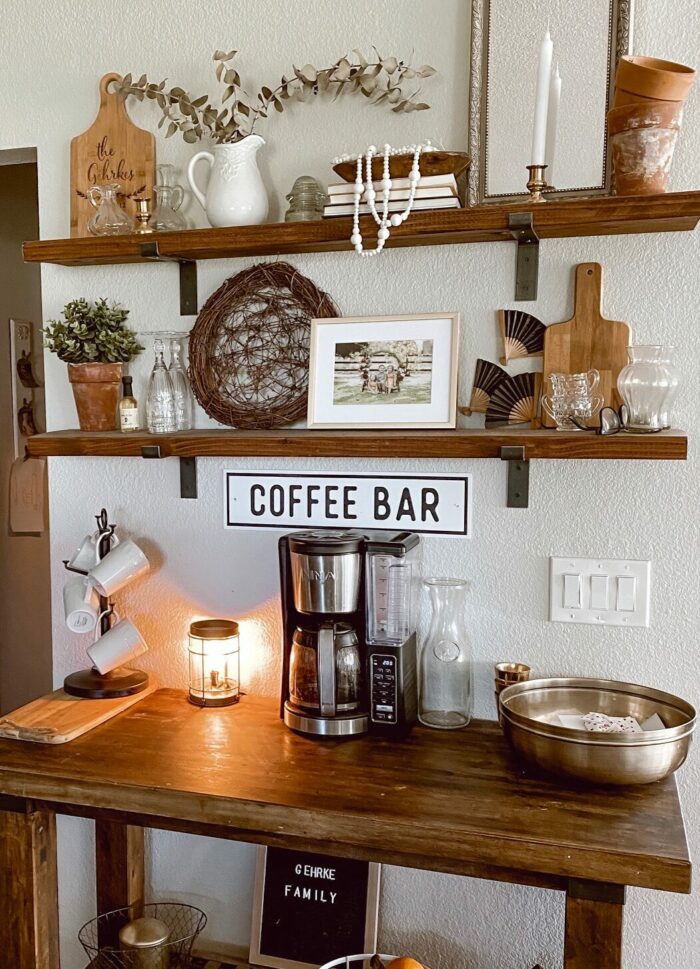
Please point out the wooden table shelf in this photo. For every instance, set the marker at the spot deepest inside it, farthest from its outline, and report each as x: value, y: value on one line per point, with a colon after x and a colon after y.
x: 666, y: 446
x: 602, y: 215
x: 447, y: 801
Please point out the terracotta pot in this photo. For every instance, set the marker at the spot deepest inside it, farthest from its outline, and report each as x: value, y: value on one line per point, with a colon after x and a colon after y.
x: 642, y: 159
x: 641, y: 79
x: 649, y: 114
x: 96, y: 389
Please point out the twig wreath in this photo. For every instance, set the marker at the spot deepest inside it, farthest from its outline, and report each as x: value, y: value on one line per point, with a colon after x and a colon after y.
x: 249, y: 348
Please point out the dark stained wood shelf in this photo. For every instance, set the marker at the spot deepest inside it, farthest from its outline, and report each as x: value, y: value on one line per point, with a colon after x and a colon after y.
x: 666, y: 446
x: 601, y: 215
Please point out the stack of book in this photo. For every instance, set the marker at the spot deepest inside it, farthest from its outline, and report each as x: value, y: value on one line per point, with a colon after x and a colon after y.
x: 433, y: 192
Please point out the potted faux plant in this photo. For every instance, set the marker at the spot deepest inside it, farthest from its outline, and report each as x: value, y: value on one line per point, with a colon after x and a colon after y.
x: 93, y: 340
x: 236, y: 194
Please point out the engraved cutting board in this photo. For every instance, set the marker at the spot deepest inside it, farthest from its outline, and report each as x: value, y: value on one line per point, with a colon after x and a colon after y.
x: 587, y: 341
x: 113, y: 149
x: 57, y: 717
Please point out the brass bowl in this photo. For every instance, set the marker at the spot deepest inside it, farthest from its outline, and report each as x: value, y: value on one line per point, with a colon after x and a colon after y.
x: 530, y: 712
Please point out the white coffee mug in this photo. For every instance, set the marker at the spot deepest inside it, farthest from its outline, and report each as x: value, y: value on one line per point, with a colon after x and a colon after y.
x: 122, y: 644
x: 81, y: 605
x: 87, y: 554
x: 124, y: 563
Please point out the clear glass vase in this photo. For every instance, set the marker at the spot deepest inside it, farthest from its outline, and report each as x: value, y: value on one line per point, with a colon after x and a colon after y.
x: 166, y: 216
x: 668, y: 359
x: 160, y: 402
x: 644, y: 385
x: 182, y: 393
x: 445, y: 681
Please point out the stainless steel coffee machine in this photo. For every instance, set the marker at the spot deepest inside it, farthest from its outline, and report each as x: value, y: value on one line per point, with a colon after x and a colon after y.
x: 349, y: 641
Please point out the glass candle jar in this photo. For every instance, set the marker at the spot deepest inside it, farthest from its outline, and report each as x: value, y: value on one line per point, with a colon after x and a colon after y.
x: 214, y: 663
x: 644, y: 385
x: 445, y: 684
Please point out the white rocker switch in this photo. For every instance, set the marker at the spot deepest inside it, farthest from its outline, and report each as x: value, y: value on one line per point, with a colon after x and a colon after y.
x: 572, y: 591
x: 599, y: 592
x: 626, y: 593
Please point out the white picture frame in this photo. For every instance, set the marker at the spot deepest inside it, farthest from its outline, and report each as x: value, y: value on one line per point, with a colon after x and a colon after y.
x: 379, y: 372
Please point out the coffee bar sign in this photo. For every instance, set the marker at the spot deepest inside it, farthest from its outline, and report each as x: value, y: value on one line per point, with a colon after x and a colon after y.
x: 438, y: 504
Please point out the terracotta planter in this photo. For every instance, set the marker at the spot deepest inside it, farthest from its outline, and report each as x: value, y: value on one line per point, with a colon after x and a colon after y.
x: 640, y: 79
x: 643, y: 138
x: 649, y: 114
x: 96, y: 389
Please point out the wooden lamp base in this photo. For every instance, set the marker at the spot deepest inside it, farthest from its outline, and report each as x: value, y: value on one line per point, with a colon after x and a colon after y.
x: 89, y: 684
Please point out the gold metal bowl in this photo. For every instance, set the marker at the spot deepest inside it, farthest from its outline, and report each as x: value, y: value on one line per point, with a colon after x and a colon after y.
x: 530, y: 717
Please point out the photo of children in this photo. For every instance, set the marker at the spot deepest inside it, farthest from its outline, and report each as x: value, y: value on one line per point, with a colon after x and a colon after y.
x: 383, y: 372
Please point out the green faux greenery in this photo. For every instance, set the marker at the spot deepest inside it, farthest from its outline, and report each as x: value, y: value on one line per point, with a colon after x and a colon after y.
x: 381, y: 81
x: 92, y: 333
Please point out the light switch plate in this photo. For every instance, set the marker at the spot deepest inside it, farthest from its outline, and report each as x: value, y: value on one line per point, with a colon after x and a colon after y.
x: 620, y: 588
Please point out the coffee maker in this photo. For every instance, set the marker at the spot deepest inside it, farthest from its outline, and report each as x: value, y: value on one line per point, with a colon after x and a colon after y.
x: 349, y: 650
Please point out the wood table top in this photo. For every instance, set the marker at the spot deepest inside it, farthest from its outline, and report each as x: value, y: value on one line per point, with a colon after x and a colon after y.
x: 452, y: 801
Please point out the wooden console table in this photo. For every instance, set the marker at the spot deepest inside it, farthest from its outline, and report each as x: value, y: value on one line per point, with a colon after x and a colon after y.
x: 454, y: 802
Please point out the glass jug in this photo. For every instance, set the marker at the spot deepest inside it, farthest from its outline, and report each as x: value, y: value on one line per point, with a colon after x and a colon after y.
x: 310, y: 686
x: 168, y: 199
x: 182, y: 394
x: 445, y: 696
x: 109, y: 219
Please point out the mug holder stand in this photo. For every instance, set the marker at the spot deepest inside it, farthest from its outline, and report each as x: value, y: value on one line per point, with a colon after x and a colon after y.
x: 89, y: 684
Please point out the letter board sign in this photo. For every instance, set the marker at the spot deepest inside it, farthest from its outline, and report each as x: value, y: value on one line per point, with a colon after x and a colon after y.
x: 309, y: 908
x: 438, y: 504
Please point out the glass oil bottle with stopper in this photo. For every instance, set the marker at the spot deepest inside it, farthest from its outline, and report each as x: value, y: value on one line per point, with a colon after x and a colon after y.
x: 160, y: 402
x: 128, y: 408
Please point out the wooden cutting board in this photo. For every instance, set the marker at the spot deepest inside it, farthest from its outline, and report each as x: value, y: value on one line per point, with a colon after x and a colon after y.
x: 112, y: 149
x: 57, y: 717
x: 587, y: 341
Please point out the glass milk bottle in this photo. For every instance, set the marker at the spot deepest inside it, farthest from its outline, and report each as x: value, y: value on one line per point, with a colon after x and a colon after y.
x: 445, y: 696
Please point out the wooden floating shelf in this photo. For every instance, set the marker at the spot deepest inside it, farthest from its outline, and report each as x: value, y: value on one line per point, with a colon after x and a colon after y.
x: 667, y: 446
x: 596, y: 216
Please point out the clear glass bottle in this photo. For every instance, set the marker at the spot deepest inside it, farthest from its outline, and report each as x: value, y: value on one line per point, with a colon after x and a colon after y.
x: 160, y: 403
x: 644, y: 385
x: 166, y: 216
x: 128, y: 408
x: 668, y: 359
x: 181, y: 386
x: 109, y: 219
x: 445, y: 694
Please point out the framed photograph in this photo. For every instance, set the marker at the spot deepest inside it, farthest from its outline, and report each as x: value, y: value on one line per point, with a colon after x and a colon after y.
x: 384, y: 371
x: 309, y: 908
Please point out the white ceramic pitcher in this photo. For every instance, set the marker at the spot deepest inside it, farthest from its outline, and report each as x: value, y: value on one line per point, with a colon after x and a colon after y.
x: 235, y: 194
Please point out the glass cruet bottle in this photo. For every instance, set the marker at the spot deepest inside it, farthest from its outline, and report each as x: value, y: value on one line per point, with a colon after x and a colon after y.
x: 160, y: 402
x: 445, y: 691
x: 109, y: 219
x: 182, y: 394
x: 166, y: 216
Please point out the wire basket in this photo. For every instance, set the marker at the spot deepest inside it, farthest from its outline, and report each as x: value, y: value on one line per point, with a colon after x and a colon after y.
x: 348, y: 962
x: 100, y: 937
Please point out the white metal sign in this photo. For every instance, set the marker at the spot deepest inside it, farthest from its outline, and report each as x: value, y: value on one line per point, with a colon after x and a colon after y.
x: 439, y: 504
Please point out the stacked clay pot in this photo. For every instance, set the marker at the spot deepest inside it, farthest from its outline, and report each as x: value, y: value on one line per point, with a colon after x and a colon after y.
x: 644, y: 122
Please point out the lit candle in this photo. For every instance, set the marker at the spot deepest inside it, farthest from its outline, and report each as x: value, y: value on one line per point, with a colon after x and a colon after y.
x: 539, y: 131
x: 552, y: 118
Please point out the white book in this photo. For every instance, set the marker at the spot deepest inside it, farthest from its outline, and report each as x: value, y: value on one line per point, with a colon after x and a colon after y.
x: 398, y: 206
x: 398, y: 194
x: 427, y: 181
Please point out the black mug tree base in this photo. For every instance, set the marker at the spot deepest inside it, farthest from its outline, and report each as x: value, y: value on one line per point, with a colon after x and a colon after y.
x: 91, y: 685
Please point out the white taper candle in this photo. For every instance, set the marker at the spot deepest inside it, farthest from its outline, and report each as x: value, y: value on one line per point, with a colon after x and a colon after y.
x: 552, y: 119
x: 544, y: 70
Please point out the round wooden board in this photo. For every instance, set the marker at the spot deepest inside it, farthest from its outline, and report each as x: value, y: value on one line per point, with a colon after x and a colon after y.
x: 431, y: 163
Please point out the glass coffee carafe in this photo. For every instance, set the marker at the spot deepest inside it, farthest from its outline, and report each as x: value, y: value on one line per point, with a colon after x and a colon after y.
x: 325, y: 669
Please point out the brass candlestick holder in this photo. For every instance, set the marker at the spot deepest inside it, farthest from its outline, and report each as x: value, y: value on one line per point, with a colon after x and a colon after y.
x: 537, y: 183
x: 143, y: 214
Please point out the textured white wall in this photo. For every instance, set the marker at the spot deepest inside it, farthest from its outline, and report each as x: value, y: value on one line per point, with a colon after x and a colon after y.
x: 50, y: 68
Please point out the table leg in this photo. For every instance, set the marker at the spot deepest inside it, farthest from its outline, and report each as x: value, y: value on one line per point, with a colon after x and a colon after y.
x: 593, y: 934
x: 28, y: 885
x: 119, y: 868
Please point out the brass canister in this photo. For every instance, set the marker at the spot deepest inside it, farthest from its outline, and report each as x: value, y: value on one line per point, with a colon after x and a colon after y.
x: 144, y: 939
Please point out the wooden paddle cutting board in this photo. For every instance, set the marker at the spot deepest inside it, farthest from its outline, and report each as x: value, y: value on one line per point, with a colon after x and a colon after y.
x: 57, y: 717
x: 113, y: 149
x: 587, y: 341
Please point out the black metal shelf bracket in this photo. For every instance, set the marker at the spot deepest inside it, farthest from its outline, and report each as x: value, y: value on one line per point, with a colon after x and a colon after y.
x: 188, y: 470
x: 528, y: 255
x: 518, y: 476
x: 188, y: 275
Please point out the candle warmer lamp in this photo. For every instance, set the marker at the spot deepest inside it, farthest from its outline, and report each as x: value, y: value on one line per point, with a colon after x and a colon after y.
x: 215, y: 662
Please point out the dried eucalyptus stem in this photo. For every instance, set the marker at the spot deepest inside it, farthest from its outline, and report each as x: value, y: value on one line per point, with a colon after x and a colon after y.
x: 197, y: 118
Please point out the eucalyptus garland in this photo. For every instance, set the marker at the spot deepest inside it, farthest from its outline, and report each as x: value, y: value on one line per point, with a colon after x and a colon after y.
x: 380, y: 81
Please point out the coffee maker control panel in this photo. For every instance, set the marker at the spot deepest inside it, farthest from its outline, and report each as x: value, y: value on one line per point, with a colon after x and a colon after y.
x: 382, y: 688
